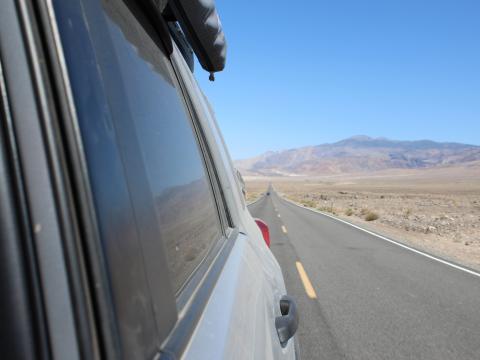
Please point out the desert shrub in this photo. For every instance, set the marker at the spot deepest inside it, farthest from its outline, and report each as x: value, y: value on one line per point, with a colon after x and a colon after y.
x: 328, y: 209
x: 252, y: 196
x: 371, y: 216
x: 349, y: 212
x: 308, y: 203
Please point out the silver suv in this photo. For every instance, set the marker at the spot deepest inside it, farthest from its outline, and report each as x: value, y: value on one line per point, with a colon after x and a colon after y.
x: 125, y: 233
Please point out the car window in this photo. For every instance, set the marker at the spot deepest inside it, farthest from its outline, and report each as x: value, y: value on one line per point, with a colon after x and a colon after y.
x: 185, y: 207
x: 159, y: 148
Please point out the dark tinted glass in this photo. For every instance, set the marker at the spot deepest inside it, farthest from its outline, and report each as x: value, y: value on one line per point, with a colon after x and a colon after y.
x: 120, y: 235
x: 184, y: 202
x: 159, y: 147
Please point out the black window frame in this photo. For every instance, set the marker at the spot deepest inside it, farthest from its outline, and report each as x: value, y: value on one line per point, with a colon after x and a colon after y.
x: 25, y: 53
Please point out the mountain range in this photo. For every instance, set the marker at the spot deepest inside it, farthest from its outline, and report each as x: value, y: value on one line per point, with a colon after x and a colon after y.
x: 359, y: 154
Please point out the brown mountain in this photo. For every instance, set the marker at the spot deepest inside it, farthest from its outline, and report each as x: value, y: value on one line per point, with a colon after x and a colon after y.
x: 360, y: 154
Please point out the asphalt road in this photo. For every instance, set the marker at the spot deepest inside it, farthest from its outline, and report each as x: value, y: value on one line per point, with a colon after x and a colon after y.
x: 374, y: 299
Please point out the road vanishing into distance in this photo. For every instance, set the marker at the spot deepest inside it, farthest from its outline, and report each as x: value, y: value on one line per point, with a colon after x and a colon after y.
x: 362, y: 297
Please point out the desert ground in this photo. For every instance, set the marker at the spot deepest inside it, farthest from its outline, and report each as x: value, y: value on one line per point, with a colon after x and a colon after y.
x: 436, y: 210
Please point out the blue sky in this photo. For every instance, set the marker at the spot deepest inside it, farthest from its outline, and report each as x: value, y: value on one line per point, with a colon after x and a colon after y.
x: 308, y: 72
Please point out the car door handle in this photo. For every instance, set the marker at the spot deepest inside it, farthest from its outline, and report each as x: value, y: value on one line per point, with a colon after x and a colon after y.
x: 287, y: 324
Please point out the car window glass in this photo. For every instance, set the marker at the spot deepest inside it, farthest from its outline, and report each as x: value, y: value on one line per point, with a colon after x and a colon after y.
x: 120, y: 241
x: 186, y: 209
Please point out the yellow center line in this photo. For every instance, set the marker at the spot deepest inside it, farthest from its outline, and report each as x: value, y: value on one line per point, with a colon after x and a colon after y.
x: 306, y: 281
x: 284, y: 229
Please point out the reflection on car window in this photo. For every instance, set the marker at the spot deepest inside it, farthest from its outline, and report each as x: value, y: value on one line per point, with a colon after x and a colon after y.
x: 186, y: 210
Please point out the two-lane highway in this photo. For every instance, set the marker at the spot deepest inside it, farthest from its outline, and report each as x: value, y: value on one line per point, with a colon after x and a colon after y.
x: 362, y: 297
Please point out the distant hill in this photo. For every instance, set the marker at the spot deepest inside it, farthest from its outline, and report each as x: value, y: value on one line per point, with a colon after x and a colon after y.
x: 360, y: 154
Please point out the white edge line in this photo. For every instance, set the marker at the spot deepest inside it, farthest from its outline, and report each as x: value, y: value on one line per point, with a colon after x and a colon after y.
x: 389, y: 240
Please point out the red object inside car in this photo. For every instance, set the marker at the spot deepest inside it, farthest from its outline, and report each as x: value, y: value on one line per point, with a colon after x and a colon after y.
x: 265, y: 231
